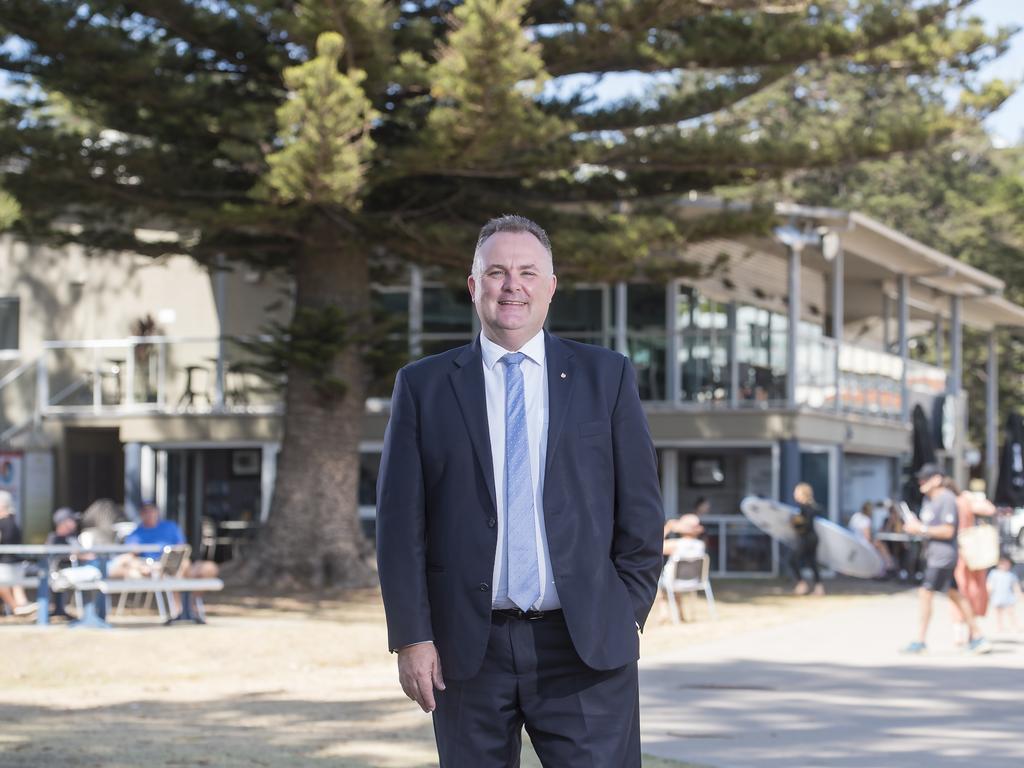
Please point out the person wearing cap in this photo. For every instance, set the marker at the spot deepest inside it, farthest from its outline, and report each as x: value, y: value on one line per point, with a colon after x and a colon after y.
x: 937, y: 524
x: 64, y: 534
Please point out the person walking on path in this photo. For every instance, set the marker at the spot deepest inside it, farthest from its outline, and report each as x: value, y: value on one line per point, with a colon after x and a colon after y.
x: 938, y: 525
x: 519, y: 528
x: 805, y: 554
x: 971, y: 584
x: 1004, y: 589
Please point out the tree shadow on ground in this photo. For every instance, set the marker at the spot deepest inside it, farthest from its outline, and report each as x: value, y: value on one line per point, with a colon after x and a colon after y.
x: 252, y: 730
x: 961, y: 711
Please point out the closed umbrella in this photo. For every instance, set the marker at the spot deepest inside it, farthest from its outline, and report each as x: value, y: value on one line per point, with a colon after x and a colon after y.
x: 923, y: 453
x: 1010, y: 486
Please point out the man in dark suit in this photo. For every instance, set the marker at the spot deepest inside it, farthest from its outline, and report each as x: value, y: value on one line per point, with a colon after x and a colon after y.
x: 519, y: 526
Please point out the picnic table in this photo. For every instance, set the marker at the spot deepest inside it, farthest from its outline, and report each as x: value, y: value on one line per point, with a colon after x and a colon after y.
x: 94, y: 614
x: 913, y: 542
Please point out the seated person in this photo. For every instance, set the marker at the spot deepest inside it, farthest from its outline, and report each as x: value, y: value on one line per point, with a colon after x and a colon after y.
x: 10, y: 565
x: 64, y: 533
x: 152, y: 530
x: 861, y: 523
x: 682, y: 537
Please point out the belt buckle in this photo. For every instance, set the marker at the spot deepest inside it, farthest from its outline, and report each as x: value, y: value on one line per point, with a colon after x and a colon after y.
x: 533, y: 615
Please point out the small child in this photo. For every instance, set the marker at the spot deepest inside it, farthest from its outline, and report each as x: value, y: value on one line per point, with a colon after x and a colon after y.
x: 1003, y: 589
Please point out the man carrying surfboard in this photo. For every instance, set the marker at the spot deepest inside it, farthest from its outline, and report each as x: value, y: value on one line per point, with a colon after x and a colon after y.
x: 938, y: 524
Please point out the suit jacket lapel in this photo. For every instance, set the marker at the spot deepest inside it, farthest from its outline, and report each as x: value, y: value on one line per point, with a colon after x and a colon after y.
x: 560, y: 385
x: 468, y: 382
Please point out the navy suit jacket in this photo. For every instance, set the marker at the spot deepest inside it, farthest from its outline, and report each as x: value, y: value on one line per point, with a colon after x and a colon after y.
x: 437, y: 517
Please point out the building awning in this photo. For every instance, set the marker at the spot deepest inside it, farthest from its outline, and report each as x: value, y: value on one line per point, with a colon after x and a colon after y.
x: 993, y: 312
x: 904, y: 255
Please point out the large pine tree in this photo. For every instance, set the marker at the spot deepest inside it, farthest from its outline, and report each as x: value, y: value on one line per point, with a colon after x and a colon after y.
x: 326, y: 136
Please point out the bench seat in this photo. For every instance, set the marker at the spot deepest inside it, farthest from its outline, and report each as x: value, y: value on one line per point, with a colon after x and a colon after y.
x: 117, y: 586
x: 26, y: 582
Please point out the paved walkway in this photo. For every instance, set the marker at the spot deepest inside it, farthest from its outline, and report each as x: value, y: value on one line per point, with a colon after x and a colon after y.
x: 834, y: 691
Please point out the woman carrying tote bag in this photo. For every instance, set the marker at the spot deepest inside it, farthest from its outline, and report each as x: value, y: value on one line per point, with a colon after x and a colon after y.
x: 970, y: 577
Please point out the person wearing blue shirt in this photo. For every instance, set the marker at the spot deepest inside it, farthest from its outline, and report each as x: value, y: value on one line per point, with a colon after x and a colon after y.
x: 152, y: 530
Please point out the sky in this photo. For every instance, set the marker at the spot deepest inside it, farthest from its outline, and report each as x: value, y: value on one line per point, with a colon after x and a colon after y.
x: 1006, y: 125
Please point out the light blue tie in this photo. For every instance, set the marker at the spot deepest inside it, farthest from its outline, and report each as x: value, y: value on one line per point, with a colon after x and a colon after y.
x: 520, y: 530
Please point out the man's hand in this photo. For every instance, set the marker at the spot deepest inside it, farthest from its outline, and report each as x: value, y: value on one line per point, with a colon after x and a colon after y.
x: 419, y: 672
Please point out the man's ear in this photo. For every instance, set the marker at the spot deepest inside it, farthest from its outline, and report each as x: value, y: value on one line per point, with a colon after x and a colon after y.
x: 471, y: 284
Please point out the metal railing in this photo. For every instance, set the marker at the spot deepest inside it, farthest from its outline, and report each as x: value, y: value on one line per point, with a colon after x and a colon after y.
x: 138, y: 375
x: 722, y: 368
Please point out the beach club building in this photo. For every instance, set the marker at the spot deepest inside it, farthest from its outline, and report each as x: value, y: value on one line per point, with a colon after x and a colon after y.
x: 798, y: 356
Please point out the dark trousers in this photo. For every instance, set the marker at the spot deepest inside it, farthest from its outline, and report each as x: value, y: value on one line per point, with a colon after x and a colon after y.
x: 576, y: 716
x: 805, y: 555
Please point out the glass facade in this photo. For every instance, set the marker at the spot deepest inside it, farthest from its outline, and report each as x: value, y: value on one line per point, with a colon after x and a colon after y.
x: 646, y: 338
x: 583, y: 313
x: 686, y: 347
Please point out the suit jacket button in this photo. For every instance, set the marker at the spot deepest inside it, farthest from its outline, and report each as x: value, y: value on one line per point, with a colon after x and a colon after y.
x: 491, y: 522
x: 484, y: 586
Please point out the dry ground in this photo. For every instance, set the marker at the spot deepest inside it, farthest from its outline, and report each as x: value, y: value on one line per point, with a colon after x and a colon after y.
x: 271, y: 681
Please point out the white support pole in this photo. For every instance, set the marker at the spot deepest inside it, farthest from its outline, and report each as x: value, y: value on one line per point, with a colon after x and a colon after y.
x: 670, y: 482
x: 132, y: 479
x: 268, y: 477
x: 734, y: 360
x: 956, y: 343
x: 416, y: 312
x: 672, y: 342
x: 903, y: 322
x: 992, y: 416
x: 220, y: 294
x: 147, y: 472
x: 793, y: 326
x: 621, y: 340
x: 838, y: 319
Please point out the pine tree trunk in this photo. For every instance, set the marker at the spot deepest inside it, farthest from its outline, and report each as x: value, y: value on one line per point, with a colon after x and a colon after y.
x: 313, y: 537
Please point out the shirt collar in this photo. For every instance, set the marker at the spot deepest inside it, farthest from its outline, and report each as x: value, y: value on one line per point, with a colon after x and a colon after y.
x: 492, y: 353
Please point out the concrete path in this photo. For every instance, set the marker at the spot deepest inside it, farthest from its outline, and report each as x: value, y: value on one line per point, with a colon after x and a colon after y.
x: 834, y: 691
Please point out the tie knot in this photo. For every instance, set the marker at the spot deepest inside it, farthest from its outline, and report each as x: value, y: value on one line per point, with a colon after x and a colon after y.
x: 513, y: 359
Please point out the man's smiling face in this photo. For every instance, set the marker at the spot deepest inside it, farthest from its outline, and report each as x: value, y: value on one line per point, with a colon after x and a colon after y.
x: 514, y: 289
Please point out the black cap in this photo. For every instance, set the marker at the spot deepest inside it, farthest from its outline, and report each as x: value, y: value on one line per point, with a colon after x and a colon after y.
x: 927, y: 471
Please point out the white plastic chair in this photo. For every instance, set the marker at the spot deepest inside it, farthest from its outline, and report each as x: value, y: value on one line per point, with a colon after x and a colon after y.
x: 683, y: 574
x: 171, y: 564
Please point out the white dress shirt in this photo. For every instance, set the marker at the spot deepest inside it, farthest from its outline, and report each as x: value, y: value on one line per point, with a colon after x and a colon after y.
x: 535, y: 386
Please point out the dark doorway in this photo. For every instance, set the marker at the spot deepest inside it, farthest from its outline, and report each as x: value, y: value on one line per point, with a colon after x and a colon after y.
x: 95, y: 466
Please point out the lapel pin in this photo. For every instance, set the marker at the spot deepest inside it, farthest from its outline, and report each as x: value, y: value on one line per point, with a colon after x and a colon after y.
x: 563, y: 374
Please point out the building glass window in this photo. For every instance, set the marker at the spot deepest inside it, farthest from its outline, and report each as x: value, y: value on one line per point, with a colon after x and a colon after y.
x: 447, y: 317
x: 9, y: 311
x: 390, y: 306
x: 761, y: 355
x: 579, y: 312
x: 646, y: 337
x: 704, y: 341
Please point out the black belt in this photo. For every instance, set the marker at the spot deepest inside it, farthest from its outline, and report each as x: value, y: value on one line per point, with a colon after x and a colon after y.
x: 515, y: 613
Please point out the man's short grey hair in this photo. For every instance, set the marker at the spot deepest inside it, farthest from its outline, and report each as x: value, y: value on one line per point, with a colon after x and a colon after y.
x: 6, y: 501
x: 514, y: 223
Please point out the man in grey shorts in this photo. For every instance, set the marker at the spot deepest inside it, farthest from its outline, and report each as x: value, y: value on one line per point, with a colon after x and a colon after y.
x: 938, y: 524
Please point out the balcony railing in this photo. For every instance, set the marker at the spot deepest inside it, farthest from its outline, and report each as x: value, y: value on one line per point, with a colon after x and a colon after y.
x: 137, y: 375
x: 719, y: 368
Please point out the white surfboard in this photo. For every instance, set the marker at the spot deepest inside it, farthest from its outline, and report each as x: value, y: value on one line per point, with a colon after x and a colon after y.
x: 845, y: 552
x: 839, y: 549
x: 771, y: 517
